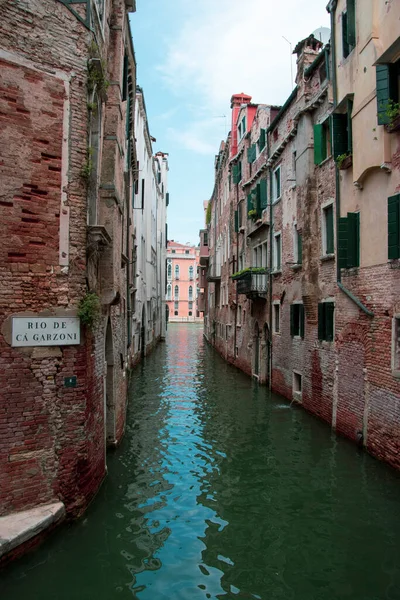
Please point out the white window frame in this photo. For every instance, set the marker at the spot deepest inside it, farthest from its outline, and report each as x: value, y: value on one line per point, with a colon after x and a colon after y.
x: 278, y: 304
x: 169, y: 292
x: 277, y: 268
x: 396, y: 346
x: 324, y: 237
x: 275, y: 197
x: 177, y: 272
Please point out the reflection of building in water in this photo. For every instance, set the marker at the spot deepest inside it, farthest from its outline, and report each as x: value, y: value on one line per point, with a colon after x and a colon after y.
x: 182, y: 282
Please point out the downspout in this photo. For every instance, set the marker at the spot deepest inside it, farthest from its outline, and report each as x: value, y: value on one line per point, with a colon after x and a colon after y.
x: 331, y: 9
x: 270, y: 270
x: 237, y: 267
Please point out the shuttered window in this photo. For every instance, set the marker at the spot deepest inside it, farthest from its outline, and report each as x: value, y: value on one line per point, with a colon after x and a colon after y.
x: 299, y: 257
x: 236, y: 218
x: 348, y: 28
x: 263, y: 194
x: 394, y: 226
x: 319, y: 144
x: 349, y: 241
x: 237, y: 172
x: 387, y: 89
x: 297, y: 320
x: 252, y: 153
x: 326, y: 321
x: 341, y: 134
x: 328, y: 233
x: 261, y: 140
x: 249, y: 202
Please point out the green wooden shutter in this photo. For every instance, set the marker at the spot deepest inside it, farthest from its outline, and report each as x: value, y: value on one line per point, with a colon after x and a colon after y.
x: 236, y: 221
x: 351, y: 24
x: 125, y: 72
x: 239, y: 171
x: 319, y: 146
x: 301, y: 307
x: 339, y: 135
x: 353, y: 239
x: 292, y: 320
x: 261, y: 140
x: 251, y: 154
x: 330, y: 248
x: 382, y: 92
x: 167, y: 199
x: 394, y: 226
x: 342, y: 242
x: 299, y: 248
x: 321, y: 320
x: 349, y: 125
x: 249, y: 202
x: 263, y: 194
x: 258, y: 199
x: 329, y: 314
x: 345, y: 43
x: 278, y: 182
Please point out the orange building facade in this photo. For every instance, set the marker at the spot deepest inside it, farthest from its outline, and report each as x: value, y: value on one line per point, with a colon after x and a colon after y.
x: 182, y: 282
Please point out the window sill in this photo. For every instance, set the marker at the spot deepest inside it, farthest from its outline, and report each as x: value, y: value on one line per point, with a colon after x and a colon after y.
x: 296, y: 267
x: 276, y: 333
x: 277, y: 272
x: 297, y: 397
x: 327, y: 257
x: 396, y: 373
x: 276, y: 200
x: 323, y: 162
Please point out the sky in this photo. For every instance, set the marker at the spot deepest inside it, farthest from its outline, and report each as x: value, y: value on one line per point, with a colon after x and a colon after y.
x: 191, y: 58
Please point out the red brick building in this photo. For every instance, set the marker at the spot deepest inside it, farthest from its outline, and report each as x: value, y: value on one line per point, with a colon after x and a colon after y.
x: 67, y: 95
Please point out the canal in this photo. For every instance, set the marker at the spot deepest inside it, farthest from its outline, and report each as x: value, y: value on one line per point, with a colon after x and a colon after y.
x: 220, y: 490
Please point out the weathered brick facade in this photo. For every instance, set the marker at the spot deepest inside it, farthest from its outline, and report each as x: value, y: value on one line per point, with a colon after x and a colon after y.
x: 322, y: 335
x: 67, y: 98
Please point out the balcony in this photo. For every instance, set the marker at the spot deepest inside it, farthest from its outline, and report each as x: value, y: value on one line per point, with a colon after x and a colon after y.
x: 214, y: 273
x: 204, y: 251
x: 253, y: 283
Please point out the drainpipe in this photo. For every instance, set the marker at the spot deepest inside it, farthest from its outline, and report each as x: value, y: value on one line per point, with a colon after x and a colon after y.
x: 237, y: 267
x: 270, y: 270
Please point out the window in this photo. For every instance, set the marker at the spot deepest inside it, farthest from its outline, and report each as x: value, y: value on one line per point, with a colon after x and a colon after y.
x: 277, y: 252
x: 176, y: 313
x: 342, y: 136
x: 394, y: 226
x: 176, y: 292
x: 327, y: 230
x: 277, y: 317
x: 276, y: 184
x: 348, y: 28
x: 191, y: 271
x: 297, y: 320
x: 349, y: 241
x: 205, y: 238
x: 297, y: 387
x: 173, y: 251
x: 261, y: 140
x: 294, y: 157
x: 237, y: 172
x: 176, y: 305
x: 322, y: 142
x: 239, y: 321
x: 190, y: 292
x: 176, y: 271
x: 387, y: 89
x: 396, y: 345
x: 260, y: 255
x: 242, y: 128
x: 190, y: 305
x: 187, y: 251
x: 326, y: 320
x: 297, y: 247
x: 169, y: 292
x: 190, y: 313
x: 169, y: 271
x: 252, y: 153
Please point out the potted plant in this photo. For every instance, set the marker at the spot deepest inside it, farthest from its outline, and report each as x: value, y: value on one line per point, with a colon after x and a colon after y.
x: 344, y: 161
x: 252, y: 214
x: 393, y: 114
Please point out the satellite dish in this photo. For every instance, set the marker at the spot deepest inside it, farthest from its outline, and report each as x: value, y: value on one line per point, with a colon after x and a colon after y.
x: 323, y: 34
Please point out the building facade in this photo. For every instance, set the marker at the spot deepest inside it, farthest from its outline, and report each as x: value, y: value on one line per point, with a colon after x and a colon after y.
x: 299, y: 259
x: 69, y: 186
x: 182, y: 282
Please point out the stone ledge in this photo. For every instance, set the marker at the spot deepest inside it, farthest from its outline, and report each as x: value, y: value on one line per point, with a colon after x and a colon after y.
x: 17, y: 528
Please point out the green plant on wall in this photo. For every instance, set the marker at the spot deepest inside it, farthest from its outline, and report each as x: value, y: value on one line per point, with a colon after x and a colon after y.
x: 341, y: 158
x: 89, y: 309
x: 250, y: 270
x: 392, y: 110
x: 208, y: 214
x: 252, y: 213
x: 87, y: 168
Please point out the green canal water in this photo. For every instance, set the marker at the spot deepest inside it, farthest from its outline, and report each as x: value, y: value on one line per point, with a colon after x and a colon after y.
x: 220, y: 490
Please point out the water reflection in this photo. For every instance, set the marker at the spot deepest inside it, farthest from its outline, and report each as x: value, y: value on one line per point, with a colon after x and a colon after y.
x: 221, y: 491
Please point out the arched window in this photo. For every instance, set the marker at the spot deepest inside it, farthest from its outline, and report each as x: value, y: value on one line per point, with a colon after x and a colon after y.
x: 169, y: 271
x: 190, y: 292
x: 176, y: 271
x: 169, y: 292
x: 176, y: 292
x: 191, y: 273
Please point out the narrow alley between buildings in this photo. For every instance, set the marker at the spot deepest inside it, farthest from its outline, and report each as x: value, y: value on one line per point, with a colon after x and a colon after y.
x: 221, y: 490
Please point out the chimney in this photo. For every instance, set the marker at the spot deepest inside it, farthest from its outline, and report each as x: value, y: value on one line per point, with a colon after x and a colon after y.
x: 237, y: 101
x: 307, y: 50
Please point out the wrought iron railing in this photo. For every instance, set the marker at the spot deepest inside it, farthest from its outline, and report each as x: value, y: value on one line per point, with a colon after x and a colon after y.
x: 252, y: 284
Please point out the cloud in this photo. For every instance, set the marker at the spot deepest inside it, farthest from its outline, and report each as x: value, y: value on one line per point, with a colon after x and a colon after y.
x: 229, y: 46
x: 200, y: 136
